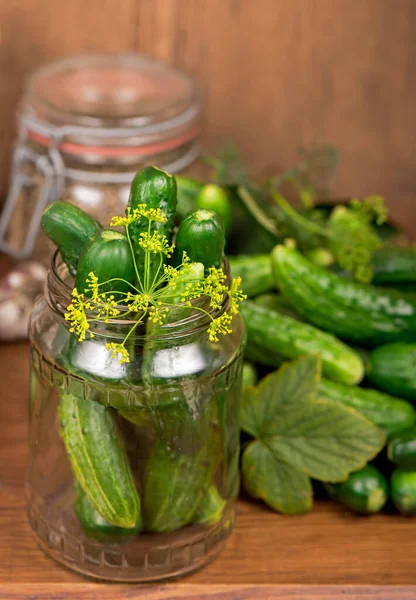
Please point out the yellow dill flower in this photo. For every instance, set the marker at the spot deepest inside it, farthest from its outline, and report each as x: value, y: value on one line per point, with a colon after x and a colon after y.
x: 92, y: 286
x: 214, y: 287
x: 220, y: 325
x: 236, y: 295
x: 152, y: 214
x: 157, y: 314
x: 118, y: 350
x: 76, y: 316
x: 138, y: 302
x: 155, y: 243
x: 105, y: 306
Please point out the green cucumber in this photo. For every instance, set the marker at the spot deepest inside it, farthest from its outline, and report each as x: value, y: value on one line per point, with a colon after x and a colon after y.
x: 394, y: 266
x: 108, y: 256
x: 69, y: 228
x: 402, y: 449
x: 392, y: 368
x: 280, y: 304
x: 201, y: 236
x: 250, y: 375
x: 174, y: 487
x: 283, y: 335
x: 92, y: 521
x: 403, y: 490
x: 389, y: 413
x: 187, y: 190
x: 211, y: 508
x: 156, y: 189
x: 214, y: 197
x: 98, y: 459
x: 350, y: 310
x: 364, y: 492
x: 255, y: 271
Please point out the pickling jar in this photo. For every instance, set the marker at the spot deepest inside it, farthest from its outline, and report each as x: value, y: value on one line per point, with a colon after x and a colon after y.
x: 165, y: 428
x: 86, y: 125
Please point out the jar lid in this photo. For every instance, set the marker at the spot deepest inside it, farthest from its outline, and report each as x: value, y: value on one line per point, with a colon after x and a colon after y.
x: 111, y: 105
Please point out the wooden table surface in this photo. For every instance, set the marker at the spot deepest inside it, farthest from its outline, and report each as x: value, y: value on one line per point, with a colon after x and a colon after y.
x: 325, y: 555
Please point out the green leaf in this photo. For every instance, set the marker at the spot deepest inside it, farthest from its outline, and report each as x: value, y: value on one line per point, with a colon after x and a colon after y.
x: 292, y: 383
x: 281, y: 486
x: 323, y: 439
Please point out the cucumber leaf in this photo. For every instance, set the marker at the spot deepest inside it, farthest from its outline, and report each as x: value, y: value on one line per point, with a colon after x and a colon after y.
x: 298, y: 436
x: 281, y: 486
x: 323, y: 439
x: 293, y: 382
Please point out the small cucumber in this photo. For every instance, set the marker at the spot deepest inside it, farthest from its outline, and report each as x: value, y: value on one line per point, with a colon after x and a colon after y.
x: 188, y: 190
x: 211, y: 508
x: 69, y: 228
x: 350, y: 310
x: 108, y: 256
x: 365, y: 491
x: 93, y: 523
x: 402, y: 449
x: 214, y: 197
x: 250, y: 375
x: 157, y: 189
x: 255, y: 271
x: 98, y: 459
x: 389, y: 413
x: 174, y: 487
x: 394, y: 266
x: 283, y: 335
x: 392, y: 368
x: 201, y: 236
x: 403, y: 490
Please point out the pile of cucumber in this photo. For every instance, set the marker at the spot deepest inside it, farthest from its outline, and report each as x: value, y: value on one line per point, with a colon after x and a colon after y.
x: 175, y: 441
x: 366, y: 336
x: 299, y: 303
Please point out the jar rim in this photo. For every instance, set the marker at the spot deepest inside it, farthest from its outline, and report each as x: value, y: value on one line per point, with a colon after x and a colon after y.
x: 58, y: 295
x: 111, y: 105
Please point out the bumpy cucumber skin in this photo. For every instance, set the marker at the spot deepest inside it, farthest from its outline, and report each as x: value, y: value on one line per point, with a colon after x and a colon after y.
x: 255, y: 271
x: 391, y: 414
x: 353, y: 311
x: 98, y: 459
x: 280, y: 334
x: 214, y: 197
x: 403, y: 490
x: 107, y: 255
x: 201, y: 235
x: 93, y: 523
x: 402, y: 449
x: 174, y: 487
x: 157, y: 189
x: 364, y: 492
x: 211, y: 508
x: 394, y: 265
x: 392, y: 368
x: 69, y: 228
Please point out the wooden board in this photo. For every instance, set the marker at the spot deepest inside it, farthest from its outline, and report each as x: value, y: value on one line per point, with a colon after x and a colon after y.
x: 276, y: 74
x: 325, y: 555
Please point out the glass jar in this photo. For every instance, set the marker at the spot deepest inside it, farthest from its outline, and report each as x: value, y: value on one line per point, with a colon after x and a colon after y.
x: 164, y: 427
x: 86, y: 125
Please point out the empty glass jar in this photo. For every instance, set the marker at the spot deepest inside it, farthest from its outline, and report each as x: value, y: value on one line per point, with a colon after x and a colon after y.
x: 133, y: 468
x: 86, y: 125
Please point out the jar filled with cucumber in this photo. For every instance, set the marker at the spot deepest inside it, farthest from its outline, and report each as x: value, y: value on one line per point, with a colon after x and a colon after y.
x: 136, y: 369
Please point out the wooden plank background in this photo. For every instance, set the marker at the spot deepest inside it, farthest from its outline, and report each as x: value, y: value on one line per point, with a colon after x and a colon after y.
x: 276, y: 74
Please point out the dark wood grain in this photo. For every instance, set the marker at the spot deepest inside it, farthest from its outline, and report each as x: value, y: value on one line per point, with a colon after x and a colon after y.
x: 327, y: 554
x: 275, y: 74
